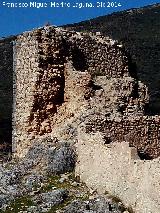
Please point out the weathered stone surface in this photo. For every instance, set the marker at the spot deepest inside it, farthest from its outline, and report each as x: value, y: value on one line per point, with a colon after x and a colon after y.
x: 50, y: 199
x: 33, y: 181
x: 117, y: 168
x: 61, y: 160
x: 97, y: 205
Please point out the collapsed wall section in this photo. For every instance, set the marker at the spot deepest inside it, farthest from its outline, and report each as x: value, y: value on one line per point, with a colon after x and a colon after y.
x: 117, y: 170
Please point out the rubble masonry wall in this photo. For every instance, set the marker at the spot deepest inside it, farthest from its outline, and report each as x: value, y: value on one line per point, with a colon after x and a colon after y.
x: 142, y: 132
x: 40, y: 59
x: 116, y: 169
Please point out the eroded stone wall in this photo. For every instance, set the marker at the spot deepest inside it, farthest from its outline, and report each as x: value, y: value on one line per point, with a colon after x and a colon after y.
x: 50, y: 82
x: 63, y: 75
x: 117, y: 169
x: 97, y: 54
x: 79, y: 88
x: 41, y: 59
x: 26, y: 72
x: 68, y: 84
x: 142, y: 132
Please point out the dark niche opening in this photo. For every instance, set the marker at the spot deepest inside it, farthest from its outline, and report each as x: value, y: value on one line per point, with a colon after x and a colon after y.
x: 144, y: 156
x: 108, y: 140
x: 79, y: 59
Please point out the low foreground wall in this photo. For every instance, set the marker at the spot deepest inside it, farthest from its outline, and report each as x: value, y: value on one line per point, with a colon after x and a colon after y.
x: 116, y: 169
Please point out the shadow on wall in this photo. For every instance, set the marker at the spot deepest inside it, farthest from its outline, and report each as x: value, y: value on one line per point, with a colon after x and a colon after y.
x: 132, y: 67
x: 149, y: 108
x: 144, y: 74
x: 79, y: 59
x: 6, y: 93
x: 145, y: 57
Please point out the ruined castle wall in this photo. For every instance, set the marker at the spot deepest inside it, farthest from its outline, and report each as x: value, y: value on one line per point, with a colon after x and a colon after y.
x: 42, y: 87
x: 141, y: 132
x: 116, y: 169
x: 40, y: 58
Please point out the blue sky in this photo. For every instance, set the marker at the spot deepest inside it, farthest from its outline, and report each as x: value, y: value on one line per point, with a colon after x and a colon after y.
x: 16, y: 20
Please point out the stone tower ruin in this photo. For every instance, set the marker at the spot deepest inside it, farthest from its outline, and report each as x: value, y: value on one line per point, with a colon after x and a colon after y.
x: 57, y: 72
